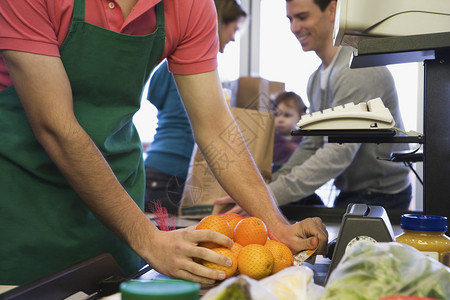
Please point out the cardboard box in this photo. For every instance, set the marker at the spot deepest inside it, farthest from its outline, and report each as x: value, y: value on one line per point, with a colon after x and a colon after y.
x: 253, y: 93
x: 275, y: 88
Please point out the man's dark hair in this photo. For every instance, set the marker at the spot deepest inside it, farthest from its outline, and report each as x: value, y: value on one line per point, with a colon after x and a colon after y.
x: 321, y: 3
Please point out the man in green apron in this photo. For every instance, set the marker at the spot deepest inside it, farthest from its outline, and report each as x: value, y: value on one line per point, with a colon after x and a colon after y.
x: 72, y: 178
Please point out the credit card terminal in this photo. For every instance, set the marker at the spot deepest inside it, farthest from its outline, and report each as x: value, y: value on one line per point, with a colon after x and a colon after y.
x: 361, y: 222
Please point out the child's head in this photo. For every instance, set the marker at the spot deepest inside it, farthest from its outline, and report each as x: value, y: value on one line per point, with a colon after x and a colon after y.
x: 288, y: 109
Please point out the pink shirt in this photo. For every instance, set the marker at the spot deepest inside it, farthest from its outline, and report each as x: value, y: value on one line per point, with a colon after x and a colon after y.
x: 40, y: 26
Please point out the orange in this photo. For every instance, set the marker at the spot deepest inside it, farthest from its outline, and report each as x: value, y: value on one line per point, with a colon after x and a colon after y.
x: 232, y: 219
x: 236, y: 248
x: 233, y: 223
x: 229, y: 271
x: 282, y: 255
x: 230, y: 216
x: 214, y: 223
x: 250, y: 231
x: 255, y: 261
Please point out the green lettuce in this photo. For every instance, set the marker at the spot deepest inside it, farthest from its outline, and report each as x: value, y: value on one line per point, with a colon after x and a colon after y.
x: 372, y: 270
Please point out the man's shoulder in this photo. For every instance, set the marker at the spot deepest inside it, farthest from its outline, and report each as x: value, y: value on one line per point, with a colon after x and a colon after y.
x: 342, y: 63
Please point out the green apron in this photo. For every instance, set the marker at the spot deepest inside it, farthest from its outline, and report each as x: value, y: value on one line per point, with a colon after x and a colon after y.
x: 44, y: 225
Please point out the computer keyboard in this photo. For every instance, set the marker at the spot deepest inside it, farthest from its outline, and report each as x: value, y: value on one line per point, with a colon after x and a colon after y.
x: 370, y: 115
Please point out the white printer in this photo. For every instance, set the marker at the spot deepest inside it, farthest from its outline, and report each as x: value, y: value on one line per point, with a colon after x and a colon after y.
x: 359, y: 19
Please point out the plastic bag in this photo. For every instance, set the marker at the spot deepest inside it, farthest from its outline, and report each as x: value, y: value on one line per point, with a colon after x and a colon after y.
x: 372, y: 270
x: 293, y: 283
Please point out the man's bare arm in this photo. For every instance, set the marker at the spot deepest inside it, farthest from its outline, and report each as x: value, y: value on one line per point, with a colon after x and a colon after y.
x: 210, y: 118
x: 44, y: 90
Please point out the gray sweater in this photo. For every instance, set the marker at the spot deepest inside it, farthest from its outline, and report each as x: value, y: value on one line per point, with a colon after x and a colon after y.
x: 355, y: 167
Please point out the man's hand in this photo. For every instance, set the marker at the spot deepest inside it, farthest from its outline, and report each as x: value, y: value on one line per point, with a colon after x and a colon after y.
x: 236, y: 208
x: 307, y: 234
x: 174, y: 253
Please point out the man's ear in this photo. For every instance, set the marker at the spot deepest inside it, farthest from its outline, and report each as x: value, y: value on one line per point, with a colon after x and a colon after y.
x: 331, y: 8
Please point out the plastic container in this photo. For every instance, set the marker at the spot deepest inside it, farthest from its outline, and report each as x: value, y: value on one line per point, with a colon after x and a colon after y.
x: 426, y: 233
x: 169, y: 289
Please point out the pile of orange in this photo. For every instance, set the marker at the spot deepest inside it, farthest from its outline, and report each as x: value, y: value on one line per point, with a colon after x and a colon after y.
x: 253, y: 253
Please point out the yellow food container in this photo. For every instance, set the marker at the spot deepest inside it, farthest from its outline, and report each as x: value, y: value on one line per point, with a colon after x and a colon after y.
x: 426, y: 233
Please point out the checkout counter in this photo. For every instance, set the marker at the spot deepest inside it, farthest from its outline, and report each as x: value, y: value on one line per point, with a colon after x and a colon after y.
x: 100, y: 277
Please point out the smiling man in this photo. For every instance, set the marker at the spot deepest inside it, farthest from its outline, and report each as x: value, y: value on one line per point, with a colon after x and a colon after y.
x: 359, y: 175
x: 357, y: 172
x: 311, y: 22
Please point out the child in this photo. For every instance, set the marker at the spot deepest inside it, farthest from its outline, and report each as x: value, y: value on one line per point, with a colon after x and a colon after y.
x: 288, y: 109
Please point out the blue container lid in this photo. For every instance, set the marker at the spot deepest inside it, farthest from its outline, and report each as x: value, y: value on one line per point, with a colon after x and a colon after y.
x: 424, y: 223
x: 173, y: 289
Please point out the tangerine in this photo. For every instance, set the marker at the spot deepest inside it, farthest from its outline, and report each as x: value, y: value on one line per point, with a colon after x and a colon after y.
x: 214, y: 223
x: 229, y: 271
x: 232, y: 219
x: 282, y: 255
x: 230, y: 216
x: 250, y: 230
x: 236, y: 248
x: 255, y: 261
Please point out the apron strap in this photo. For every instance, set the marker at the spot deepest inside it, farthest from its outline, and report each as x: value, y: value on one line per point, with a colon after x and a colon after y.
x: 159, y: 14
x: 78, y: 11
